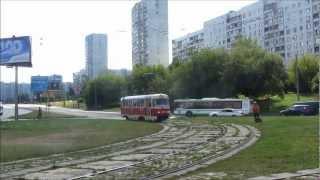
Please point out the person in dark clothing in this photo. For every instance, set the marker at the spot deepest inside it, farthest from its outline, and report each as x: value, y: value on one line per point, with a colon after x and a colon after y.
x: 39, y: 113
x: 256, y: 112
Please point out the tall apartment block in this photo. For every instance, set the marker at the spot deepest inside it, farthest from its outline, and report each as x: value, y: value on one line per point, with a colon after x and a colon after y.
x: 150, y: 33
x: 184, y: 47
x: 96, y: 55
x: 287, y: 27
x: 316, y: 25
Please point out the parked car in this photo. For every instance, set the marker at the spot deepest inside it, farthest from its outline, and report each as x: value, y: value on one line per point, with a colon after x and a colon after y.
x: 1, y: 109
x: 313, y: 104
x: 227, y: 112
x: 297, y: 110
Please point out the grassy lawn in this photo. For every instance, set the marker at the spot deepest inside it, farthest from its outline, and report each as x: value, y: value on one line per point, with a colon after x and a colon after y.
x: 45, y: 115
x: 114, y: 109
x: 69, y: 104
x: 33, y: 138
x: 287, y: 144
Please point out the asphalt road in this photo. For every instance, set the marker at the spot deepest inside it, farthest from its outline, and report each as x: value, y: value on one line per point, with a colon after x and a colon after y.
x: 8, y: 111
x: 73, y: 112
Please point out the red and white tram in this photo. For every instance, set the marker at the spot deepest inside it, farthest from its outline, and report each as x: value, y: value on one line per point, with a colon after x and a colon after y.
x: 154, y: 107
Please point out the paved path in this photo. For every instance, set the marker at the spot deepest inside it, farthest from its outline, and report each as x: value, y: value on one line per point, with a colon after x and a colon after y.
x: 8, y: 111
x: 308, y: 174
x: 68, y: 111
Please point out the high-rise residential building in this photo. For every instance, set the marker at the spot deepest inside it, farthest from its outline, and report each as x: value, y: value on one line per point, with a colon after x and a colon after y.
x: 96, y: 55
x: 184, y: 47
x: 150, y: 33
x: 289, y: 28
x: 316, y: 25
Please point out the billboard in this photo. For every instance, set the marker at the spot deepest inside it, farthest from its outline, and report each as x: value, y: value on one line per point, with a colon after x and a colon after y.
x: 39, y: 84
x: 15, y: 51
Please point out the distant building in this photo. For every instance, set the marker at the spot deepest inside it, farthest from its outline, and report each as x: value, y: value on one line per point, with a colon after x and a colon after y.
x: 150, y: 33
x: 7, y: 92
x: 285, y: 27
x: 120, y: 72
x: 184, y: 47
x: 96, y: 55
x: 47, y: 87
x: 79, y: 79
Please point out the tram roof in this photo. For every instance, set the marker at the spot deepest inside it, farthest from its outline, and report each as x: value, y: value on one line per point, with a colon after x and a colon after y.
x: 145, y: 96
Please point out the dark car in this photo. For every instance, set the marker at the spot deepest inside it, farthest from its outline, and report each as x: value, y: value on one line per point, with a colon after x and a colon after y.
x: 1, y: 109
x: 314, y: 105
x: 297, y: 110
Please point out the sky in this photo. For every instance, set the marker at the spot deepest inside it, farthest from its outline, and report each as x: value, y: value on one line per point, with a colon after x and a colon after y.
x: 58, y: 29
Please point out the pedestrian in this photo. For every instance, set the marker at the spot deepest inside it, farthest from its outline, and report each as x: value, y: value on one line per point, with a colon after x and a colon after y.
x: 39, y: 113
x: 256, y: 112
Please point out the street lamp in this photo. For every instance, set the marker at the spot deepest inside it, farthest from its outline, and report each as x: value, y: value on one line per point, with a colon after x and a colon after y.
x: 297, y: 79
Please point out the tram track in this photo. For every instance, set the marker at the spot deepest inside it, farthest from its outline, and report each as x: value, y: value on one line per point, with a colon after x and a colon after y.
x: 171, y: 171
x: 180, y: 147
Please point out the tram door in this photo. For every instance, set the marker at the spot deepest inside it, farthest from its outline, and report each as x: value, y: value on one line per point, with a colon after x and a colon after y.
x: 148, y: 107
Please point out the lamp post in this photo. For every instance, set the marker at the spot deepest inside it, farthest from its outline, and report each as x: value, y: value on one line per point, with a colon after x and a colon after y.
x: 297, y: 79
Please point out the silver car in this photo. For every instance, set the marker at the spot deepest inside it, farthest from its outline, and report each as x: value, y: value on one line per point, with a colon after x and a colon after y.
x: 227, y: 112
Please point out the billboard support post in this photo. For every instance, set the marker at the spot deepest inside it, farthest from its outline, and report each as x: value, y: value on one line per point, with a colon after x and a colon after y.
x: 16, y: 95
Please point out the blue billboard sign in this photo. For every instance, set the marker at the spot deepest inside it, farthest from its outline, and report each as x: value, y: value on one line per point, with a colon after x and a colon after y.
x: 39, y: 84
x: 15, y: 51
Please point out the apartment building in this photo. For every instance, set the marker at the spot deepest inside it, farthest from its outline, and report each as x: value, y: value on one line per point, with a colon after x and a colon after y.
x: 184, y: 47
x: 150, y: 43
x: 96, y: 55
x: 289, y: 28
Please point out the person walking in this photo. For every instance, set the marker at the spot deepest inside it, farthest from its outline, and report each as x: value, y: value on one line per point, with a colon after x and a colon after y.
x: 256, y: 112
x: 39, y: 116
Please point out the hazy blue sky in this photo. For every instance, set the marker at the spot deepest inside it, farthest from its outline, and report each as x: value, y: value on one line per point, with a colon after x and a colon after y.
x: 58, y: 30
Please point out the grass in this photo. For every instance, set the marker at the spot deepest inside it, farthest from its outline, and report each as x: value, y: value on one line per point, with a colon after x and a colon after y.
x: 45, y: 115
x: 287, y: 144
x: 34, y: 138
x: 69, y: 104
x: 114, y: 109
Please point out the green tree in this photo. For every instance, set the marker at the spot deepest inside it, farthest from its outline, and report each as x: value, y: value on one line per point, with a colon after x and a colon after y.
x: 201, y: 76
x: 148, y: 79
x: 104, y: 91
x: 253, y: 72
x: 315, y: 83
x: 306, y: 67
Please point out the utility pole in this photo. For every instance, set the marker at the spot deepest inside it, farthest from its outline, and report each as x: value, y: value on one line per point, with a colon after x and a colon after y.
x: 95, y: 95
x: 297, y: 79
x: 16, y: 95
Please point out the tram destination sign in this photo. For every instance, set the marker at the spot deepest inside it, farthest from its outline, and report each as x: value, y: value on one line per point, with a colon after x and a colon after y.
x: 15, y: 51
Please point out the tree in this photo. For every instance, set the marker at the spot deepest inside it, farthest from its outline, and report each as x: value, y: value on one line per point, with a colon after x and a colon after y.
x: 201, y: 76
x: 104, y: 91
x: 307, y: 68
x: 148, y: 79
x: 253, y: 72
x: 315, y: 83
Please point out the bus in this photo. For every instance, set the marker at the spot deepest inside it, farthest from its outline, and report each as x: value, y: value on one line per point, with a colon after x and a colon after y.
x: 151, y: 107
x: 205, y: 106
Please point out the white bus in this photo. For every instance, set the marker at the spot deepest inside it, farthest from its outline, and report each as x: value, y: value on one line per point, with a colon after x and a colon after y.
x: 205, y: 106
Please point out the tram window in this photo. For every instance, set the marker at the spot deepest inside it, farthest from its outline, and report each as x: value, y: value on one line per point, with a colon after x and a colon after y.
x: 161, y: 102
